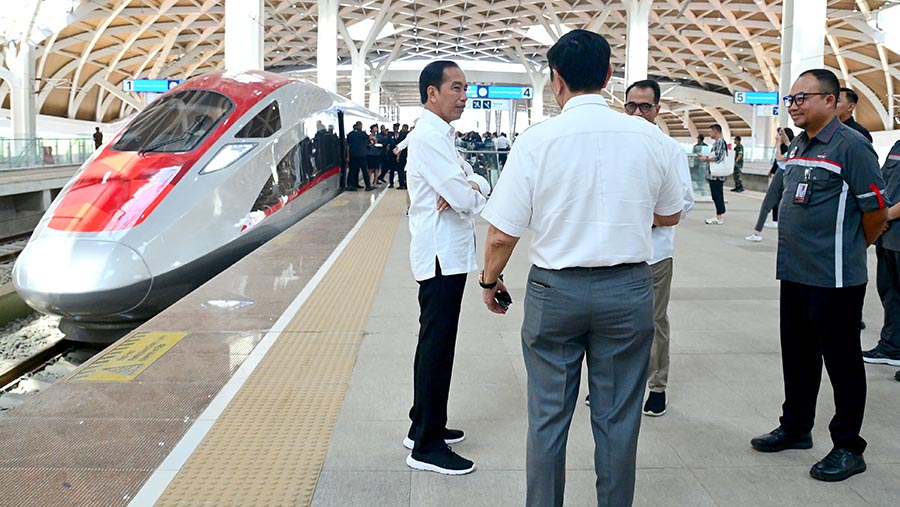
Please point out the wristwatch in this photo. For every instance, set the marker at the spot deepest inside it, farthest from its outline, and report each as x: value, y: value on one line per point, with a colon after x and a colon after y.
x: 487, y: 285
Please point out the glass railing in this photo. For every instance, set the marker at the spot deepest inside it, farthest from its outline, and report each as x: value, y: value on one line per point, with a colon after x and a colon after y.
x: 44, y: 152
x: 487, y: 163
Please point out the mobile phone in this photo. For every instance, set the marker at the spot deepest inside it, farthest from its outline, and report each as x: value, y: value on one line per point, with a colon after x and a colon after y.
x: 503, y: 298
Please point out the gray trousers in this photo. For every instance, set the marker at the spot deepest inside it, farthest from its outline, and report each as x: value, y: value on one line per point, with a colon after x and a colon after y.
x: 659, y: 353
x: 888, y: 283
x: 605, y: 314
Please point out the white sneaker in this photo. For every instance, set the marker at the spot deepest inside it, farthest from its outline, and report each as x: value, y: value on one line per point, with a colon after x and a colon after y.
x: 754, y: 237
x: 714, y: 221
x: 772, y: 225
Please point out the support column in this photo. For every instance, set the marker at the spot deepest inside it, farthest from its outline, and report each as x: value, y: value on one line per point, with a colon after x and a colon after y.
x: 637, y: 40
x: 20, y: 61
x: 326, y: 53
x: 538, y: 82
x: 375, y: 94
x: 802, y: 43
x: 358, y: 79
x: 244, y: 24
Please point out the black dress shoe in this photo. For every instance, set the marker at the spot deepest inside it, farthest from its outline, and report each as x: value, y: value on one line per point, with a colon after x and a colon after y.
x: 779, y: 440
x: 838, y: 465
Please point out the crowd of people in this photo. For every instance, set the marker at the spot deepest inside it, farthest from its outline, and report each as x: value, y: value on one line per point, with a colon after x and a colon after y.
x: 601, y: 270
x: 376, y: 155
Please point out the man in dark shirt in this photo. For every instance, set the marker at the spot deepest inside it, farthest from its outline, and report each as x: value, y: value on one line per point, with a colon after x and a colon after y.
x: 887, y: 250
x: 845, y: 106
x: 738, y: 164
x: 832, y: 209
x: 98, y: 138
x: 357, y: 142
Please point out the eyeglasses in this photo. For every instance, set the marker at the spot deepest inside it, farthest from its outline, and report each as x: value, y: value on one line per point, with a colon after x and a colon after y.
x: 799, y: 98
x: 645, y: 107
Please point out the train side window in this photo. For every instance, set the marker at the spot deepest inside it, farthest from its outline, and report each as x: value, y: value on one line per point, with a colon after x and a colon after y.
x: 264, y: 124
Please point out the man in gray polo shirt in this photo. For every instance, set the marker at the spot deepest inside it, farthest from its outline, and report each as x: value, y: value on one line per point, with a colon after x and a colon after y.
x: 887, y: 248
x: 831, y: 210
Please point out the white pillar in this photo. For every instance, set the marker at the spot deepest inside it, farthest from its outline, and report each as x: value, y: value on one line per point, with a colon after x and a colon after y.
x: 802, y: 43
x: 358, y: 80
x: 326, y: 51
x: 637, y: 40
x: 244, y: 23
x: 375, y: 95
x: 538, y: 81
x: 20, y: 61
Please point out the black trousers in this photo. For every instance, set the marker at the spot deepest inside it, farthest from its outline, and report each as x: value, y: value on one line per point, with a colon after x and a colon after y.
x: 888, y: 283
x: 817, y: 323
x: 357, y: 164
x: 440, y: 300
x: 401, y: 171
x: 716, y: 190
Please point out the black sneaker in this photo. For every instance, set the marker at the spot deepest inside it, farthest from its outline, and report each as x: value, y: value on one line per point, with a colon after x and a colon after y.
x: 876, y: 356
x: 779, y: 440
x: 443, y: 461
x: 897, y: 375
x: 862, y: 324
x: 587, y: 400
x: 838, y: 465
x: 450, y: 437
x: 655, y: 405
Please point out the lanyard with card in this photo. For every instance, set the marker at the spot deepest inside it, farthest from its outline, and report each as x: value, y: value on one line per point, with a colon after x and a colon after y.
x: 804, y: 188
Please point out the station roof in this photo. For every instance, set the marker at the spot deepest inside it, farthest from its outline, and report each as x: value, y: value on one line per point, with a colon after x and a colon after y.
x: 713, y: 46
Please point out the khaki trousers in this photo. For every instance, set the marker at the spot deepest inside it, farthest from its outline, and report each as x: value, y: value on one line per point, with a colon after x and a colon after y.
x: 658, y: 373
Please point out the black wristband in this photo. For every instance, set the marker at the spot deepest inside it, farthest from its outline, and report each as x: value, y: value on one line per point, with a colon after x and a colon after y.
x: 488, y: 285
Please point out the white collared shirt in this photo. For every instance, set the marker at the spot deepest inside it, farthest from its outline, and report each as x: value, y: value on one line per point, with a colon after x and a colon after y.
x: 435, y: 169
x: 587, y: 183
x: 664, y: 237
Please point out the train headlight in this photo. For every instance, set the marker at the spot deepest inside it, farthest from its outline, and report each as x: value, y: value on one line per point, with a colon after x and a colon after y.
x: 226, y: 156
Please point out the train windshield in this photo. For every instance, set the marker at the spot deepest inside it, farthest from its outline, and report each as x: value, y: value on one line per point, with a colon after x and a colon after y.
x: 175, y: 123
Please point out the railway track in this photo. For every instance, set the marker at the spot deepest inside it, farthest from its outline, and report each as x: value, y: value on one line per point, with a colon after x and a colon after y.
x: 33, y: 363
x: 11, y: 247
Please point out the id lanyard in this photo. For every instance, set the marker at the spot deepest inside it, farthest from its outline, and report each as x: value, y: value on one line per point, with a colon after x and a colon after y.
x: 804, y: 188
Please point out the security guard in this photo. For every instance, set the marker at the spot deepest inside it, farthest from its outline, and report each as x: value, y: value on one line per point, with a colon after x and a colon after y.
x: 887, y: 249
x: 831, y: 210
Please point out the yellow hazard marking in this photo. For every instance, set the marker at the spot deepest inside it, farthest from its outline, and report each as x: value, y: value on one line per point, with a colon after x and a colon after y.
x: 130, y: 357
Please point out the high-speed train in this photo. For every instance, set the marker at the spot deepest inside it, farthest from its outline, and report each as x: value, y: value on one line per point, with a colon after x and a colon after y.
x: 201, y: 177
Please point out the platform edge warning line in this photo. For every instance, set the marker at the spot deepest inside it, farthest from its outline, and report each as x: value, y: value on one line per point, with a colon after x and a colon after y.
x: 153, y: 489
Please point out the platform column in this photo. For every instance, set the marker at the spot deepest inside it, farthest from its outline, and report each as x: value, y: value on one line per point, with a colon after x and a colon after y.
x: 375, y: 94
x: 802, y: 44
x: 244, y: 23
x: 538, y: 82
x: 358, y: 79
x: 637, y: 40
x: 326, y: 51
x: 20, y: 61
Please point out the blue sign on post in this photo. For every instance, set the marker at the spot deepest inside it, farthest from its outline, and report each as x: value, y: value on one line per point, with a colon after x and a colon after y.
x: 756, y: 98
x: 499, y: 92
x: 150, y: 85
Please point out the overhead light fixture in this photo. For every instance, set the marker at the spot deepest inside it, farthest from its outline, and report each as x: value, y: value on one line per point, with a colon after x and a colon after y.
x: 540, y: 34
x: 360, y: 31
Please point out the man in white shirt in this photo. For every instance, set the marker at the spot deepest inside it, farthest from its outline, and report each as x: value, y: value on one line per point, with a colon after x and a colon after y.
x: 445, y: 195
x: 642, y: 99
x: 589, y: 184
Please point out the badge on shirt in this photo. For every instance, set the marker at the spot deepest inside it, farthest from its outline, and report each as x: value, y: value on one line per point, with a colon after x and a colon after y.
x: 804, y: 189
x: 793, y: 152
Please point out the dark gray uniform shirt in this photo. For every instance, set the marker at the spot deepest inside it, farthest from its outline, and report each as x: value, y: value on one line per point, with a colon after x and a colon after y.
x: 891, y: 173
x: 358, y: 142
x: 821, y: 243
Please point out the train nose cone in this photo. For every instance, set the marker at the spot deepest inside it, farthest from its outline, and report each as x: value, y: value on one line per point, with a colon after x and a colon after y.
x: 81, y: 278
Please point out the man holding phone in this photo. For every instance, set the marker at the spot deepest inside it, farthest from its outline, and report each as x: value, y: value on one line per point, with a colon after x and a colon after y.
x: 589, y: 183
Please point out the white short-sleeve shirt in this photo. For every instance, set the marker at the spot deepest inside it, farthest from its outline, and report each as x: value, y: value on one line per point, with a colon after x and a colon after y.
x: 587, y: 183
x: 664, y: 237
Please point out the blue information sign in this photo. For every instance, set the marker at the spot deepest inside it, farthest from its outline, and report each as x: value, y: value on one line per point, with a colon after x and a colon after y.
x: 499, y: 92
x: 150, y: 85
x: 756, y: 98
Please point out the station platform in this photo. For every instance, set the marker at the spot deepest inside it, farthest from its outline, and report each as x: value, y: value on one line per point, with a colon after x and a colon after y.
x: 287, y: 381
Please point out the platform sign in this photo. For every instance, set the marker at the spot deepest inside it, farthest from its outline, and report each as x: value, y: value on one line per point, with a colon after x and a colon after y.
x: 756, y: 98
x: 150, y: 85
x: 496, y: 105
x: 131, y: 356
x: 499, y: 92
x: 767, y: 111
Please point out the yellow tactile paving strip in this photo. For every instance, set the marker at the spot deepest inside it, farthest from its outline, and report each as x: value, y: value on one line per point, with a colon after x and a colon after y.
x: 268, y: 446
